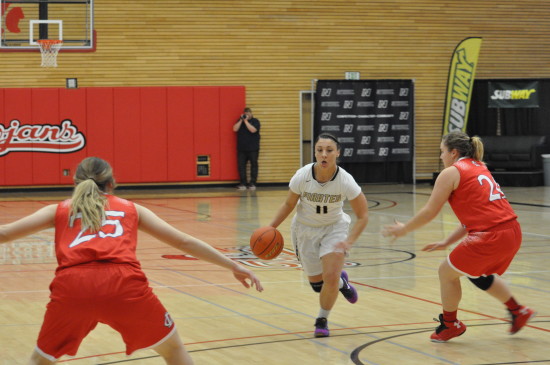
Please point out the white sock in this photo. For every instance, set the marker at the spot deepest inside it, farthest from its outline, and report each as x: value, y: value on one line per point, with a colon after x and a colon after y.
x: 341, y: 284
x: 323, y: 313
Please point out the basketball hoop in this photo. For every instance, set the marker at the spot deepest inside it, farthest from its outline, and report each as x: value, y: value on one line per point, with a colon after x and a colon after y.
x: 49, y: 49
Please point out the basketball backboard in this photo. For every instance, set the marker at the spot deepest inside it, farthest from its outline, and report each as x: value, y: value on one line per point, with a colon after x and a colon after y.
x: 23, y: 22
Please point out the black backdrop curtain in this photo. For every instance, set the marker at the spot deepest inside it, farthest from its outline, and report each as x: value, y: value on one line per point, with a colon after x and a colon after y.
x: 483, y: 121
x: 380, y: 172
x: 374, y: 122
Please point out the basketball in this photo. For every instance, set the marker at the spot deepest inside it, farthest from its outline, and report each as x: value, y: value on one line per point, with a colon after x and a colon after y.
x: 267, y: 243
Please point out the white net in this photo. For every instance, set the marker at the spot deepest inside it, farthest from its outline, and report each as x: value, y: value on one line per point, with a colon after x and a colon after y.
x: 49, y: 48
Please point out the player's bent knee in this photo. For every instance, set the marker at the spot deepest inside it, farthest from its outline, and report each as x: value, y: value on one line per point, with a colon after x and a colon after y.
x: 317, y: 286
x: 483, y: 282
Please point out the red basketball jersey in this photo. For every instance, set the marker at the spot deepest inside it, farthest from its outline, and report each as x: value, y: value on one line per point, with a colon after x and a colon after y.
x: 478, y: 201
x: 115, y: 242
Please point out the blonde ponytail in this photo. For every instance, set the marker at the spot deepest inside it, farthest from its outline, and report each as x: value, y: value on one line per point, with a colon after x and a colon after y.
x: 478, y: 150
x: 88, y: 203
x: 93, y: 178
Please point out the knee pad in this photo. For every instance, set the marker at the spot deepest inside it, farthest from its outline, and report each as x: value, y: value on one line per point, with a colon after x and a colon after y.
x: 483, y: 282
x: 317, y: 286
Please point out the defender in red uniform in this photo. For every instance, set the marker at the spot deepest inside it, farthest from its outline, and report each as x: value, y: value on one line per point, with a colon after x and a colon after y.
x: 493, y: 235
x: 99, y: 278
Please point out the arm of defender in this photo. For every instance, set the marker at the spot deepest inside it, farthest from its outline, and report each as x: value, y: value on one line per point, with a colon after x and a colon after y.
x: 445, y: 183
x: 151, y: 223
x: 35, y: 222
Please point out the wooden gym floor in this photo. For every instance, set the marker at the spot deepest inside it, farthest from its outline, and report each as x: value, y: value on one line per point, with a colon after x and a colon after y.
x: 223, y: 323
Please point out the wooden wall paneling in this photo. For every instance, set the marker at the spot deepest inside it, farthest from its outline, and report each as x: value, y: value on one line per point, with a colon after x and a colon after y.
x: 18, y: 165
x: 206, y: 131
x: 153, y: 155
x: 72, y: 105
x: 100, y: 119
x: 180, y: 130
x: 127, y: 134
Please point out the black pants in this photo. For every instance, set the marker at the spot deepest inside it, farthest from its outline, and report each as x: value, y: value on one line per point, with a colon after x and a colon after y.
x: 242, y: 158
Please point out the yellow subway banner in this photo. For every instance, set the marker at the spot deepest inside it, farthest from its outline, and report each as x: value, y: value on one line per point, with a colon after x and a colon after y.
x: 460, y: 84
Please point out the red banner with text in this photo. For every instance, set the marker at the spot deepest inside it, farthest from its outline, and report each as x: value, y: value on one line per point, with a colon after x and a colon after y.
x: 148, y: 134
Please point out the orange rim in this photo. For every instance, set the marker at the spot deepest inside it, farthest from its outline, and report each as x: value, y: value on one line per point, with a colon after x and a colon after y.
x: 48, y: 43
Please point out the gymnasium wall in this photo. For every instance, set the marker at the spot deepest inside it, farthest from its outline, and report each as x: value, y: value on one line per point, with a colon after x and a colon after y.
x: 148, y: 134
x: 276, y: 48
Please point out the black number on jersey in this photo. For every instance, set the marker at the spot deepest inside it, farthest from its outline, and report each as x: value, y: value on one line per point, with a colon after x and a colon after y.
x: 324, y: 209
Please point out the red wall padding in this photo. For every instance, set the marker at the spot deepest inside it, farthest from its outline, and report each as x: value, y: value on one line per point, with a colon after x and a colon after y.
x: 18, y: 167
x: 207, y: 129
x: 72, y: 105
x: 45, y: 106
x: 100, y: 129
x: 180, y: 127
x: 2, y: 161
x: 153, y: 134
x: 148, y: 134
x: 231, y: 107
x: 127, y: 134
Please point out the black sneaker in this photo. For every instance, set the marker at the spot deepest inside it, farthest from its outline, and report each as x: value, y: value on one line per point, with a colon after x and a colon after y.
x: 321, y: 327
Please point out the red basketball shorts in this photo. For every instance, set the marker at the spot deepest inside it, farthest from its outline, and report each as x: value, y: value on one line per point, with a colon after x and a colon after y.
x: 487, y: 253
x: 114, y: 294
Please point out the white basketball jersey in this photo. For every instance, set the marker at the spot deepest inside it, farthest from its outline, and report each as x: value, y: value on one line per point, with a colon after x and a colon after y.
x: 321, y: 204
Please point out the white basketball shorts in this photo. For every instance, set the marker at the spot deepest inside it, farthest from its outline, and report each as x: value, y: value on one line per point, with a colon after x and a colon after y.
x: 312, y: 243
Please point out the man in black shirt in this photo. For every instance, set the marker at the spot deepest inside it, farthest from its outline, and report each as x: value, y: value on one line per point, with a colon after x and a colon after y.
x: 248, y: 148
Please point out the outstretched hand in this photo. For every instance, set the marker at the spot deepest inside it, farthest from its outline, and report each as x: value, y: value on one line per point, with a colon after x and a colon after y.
x: 394, y: 230
x: 434, y: 246
x: 242, y: 274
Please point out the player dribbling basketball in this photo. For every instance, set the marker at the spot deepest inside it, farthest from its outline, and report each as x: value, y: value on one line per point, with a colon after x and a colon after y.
x: 320, y: 226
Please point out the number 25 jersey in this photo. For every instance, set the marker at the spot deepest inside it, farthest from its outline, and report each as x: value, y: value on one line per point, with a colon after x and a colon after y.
x: 478, y: 202
x: 115, y: 242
